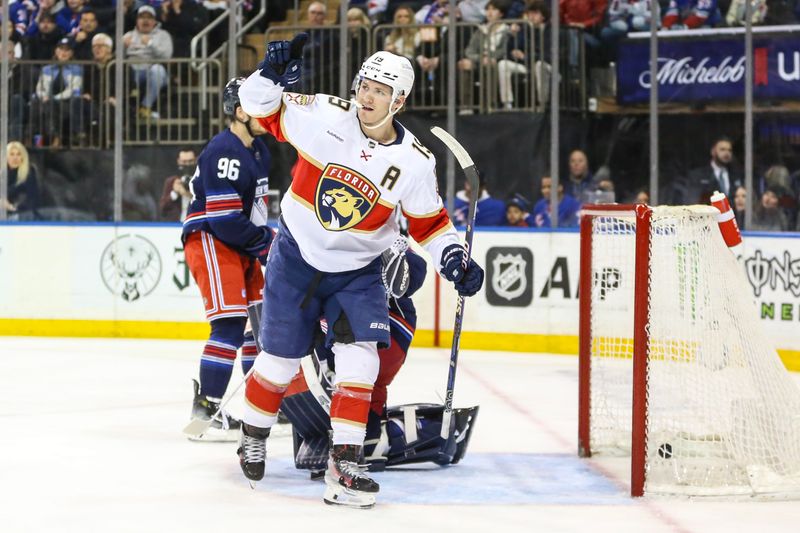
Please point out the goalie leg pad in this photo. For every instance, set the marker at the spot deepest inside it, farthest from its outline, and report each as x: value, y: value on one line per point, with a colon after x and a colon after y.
x: 312, y: 454
x: 412, y: 433
x: 307, y: 415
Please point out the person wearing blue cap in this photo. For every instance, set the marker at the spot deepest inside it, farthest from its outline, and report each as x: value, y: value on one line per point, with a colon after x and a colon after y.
x: 518, y: 212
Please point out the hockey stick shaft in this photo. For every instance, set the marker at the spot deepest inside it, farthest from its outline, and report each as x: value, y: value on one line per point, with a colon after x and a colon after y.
x: 197, y: 427
x: 471, y: 173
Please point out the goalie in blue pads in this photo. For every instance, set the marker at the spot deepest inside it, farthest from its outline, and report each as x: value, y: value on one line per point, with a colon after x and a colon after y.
x: 397, y: 435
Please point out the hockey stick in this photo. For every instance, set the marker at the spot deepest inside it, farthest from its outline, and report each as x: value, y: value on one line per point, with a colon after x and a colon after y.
x: 198, y: 426
x: 471, y: 173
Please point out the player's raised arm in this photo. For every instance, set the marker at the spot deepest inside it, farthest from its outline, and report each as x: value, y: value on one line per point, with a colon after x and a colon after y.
x: 262, y: 91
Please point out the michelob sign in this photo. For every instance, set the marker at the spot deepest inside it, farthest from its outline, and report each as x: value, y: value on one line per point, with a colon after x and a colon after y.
x: 710, y: 67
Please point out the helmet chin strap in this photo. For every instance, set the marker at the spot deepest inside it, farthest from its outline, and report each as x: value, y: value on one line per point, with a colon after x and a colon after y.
x: 389, y: 115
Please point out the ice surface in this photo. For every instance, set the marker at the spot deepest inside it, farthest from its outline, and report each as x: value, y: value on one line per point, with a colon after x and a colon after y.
x: 91, y: 441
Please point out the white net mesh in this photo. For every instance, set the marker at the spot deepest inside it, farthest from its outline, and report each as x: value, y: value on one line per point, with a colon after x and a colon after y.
x: 613, y: 257
x: 723, y: 414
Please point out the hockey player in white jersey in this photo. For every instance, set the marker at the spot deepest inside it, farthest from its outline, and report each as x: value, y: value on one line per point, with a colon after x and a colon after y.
x: 356, y: 165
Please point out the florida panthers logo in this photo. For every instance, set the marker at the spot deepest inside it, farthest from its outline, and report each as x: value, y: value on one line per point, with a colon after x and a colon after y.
x: 344, y: 198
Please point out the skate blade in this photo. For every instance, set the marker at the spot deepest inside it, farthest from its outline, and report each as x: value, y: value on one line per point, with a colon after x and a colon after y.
x: 252, y: 484
x: 348, y: 498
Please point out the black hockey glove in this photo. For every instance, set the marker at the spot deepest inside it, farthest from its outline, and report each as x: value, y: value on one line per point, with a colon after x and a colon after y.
x: 394, y: 268
x: 283, y: 61
x: 467, y: 282
x: 260, y: 248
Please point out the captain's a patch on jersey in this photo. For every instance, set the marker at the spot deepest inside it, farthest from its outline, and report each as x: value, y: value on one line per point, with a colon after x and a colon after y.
x: 299, y: 99
x: 344, y: 198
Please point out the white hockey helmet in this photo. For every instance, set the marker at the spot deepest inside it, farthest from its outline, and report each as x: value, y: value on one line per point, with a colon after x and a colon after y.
x: 393, y: 70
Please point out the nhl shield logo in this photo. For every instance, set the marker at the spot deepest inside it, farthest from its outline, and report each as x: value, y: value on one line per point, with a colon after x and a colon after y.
x: 509, y: 280
x: 343, y: 198
x: 510, y: 276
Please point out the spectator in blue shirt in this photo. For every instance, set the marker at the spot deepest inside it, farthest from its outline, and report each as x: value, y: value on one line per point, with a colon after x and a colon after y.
x: 580, y: 177
x: 42, y: 8
x: 20, y: 13
x: 488, y: 212
x: 69, y: 18
x: 568, y: 207
x: 56, y: 105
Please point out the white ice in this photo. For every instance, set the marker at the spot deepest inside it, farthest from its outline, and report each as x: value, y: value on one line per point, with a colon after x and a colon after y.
x: 91, y: 441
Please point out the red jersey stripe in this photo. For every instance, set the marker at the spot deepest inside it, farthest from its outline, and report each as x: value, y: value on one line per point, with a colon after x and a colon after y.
x: 422, y: 229
x: 375, y: 219
x: 273, y: 123
x: 305, y: 176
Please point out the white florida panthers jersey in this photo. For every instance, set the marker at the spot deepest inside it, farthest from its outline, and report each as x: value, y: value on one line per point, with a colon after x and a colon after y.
x: 345, y: 186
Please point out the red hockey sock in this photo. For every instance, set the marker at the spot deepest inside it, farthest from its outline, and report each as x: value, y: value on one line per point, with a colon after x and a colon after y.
x: 263, y: 395
x: 350, y: 405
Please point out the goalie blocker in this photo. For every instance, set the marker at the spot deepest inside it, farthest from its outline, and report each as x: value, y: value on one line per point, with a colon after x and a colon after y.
x: 408, y: 433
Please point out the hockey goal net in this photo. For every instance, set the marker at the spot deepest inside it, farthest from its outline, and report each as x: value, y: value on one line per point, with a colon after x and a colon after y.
x: 674, y: 368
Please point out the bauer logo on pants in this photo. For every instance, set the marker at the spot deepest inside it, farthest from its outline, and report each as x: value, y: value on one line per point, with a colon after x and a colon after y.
x: 344, y: 198
x: 130, y: 267
x: 510, y: 276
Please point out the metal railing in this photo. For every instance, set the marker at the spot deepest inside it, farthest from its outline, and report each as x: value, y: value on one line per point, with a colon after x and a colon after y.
x: 199, y: 43
x: 55, y: 104
x: 169, y: 102
x: 71, y: 105
x: 492, y: 79
x: 479, y: 86
x: 178, y: 101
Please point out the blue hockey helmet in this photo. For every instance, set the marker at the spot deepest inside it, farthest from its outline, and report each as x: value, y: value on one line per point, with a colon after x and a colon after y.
x: 230, y: 96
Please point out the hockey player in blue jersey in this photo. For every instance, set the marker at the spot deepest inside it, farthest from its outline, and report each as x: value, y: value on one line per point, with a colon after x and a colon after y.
x: 225, y: 237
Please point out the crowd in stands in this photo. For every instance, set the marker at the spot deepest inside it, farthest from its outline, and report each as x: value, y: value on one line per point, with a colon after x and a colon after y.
x: 60, y: 102
x: 776, y: 205
x: 72, y: 39
x: 157, y: 30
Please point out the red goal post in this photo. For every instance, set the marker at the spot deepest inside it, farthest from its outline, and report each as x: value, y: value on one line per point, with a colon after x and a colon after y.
x: 643, y: 214
x: 674, y: 369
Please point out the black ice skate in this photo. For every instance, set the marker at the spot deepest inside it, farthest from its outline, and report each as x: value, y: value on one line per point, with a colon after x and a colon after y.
x: 223, y: 428
x: 346, y: 481
x: 253, y: 452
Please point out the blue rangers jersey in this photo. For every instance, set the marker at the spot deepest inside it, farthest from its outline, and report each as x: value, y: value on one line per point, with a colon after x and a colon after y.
x: 229, y: 193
